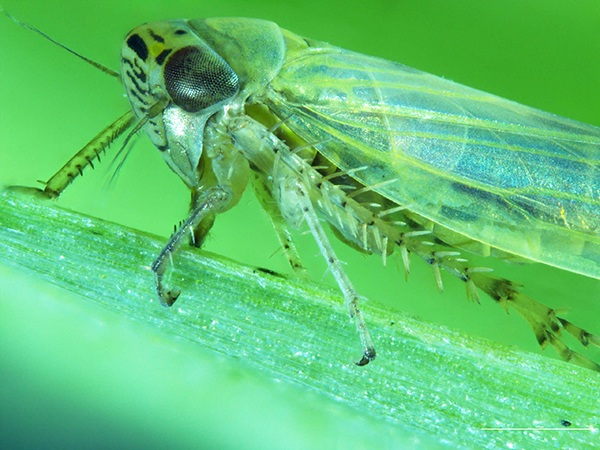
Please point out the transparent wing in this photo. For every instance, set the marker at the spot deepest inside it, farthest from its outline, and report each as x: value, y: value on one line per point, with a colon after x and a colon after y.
x: 516, y: 178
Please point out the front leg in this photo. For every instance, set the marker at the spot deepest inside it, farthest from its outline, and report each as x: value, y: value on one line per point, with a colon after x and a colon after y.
x: 269, y: 205
x: 209, y: 202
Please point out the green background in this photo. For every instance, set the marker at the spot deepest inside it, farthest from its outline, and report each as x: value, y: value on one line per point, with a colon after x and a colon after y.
x: 75, y: 372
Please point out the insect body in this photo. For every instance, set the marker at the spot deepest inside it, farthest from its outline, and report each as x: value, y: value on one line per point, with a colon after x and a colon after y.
x: 394, y: 159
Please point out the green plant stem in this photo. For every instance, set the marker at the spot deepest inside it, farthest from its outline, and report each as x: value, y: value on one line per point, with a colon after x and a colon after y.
x: 435, y: 381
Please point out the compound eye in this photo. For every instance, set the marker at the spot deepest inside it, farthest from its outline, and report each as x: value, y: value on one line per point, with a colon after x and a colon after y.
x: 197, y: 78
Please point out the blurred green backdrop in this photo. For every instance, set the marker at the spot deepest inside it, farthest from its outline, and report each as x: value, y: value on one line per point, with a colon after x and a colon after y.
x: 79, y: 374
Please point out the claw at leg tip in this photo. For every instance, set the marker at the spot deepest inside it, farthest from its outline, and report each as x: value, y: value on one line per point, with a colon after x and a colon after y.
x: 169, y: 297
x: 367, y: 357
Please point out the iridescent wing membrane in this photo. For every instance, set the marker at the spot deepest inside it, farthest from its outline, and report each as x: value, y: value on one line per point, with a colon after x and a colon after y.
x: 518, y: 179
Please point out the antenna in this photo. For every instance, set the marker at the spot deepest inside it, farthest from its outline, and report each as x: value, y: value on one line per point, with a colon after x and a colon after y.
x: 98, y: 66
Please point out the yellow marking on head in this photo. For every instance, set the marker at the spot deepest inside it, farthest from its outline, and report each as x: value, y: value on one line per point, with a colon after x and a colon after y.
x: 156, y: 49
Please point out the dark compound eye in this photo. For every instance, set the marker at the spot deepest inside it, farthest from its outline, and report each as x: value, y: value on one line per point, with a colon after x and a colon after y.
x: 198, y: 78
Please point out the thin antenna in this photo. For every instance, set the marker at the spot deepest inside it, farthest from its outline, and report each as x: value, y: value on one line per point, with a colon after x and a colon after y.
x: 132, y: 133
x: 98, y: 66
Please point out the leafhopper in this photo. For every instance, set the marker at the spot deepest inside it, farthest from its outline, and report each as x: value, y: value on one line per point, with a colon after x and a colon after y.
x: 394, y: 160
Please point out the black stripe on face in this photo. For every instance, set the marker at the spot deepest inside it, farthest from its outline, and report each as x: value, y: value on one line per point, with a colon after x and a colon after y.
x: 133, y: 79
x: 137, y: 44
x: 156, y: 37
x: 136, y: 70
x: 160, y: 59
x: 137, y: 96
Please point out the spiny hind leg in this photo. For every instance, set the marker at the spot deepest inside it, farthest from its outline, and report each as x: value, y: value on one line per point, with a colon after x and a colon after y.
x: 542, y: 319
x: 85, y: 157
